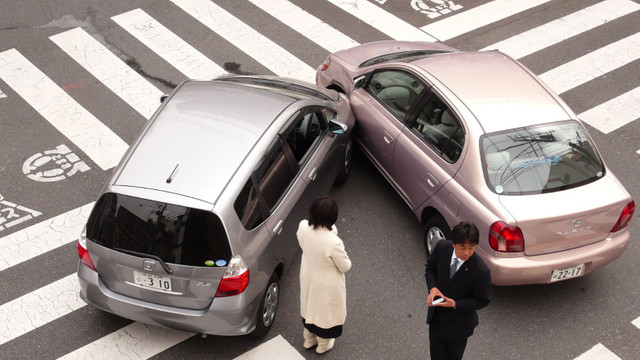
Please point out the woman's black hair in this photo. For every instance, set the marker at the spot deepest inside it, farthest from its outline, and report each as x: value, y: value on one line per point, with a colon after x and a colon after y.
x: 323, y: 212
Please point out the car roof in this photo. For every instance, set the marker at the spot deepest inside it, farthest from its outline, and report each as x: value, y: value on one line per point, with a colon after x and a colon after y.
x: 200, y: 137
x: 495, y: 88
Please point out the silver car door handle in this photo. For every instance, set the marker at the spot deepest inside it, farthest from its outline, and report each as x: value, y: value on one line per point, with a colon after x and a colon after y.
x: 431, y: 180
x: 278, y: 229
x: 313, y: 173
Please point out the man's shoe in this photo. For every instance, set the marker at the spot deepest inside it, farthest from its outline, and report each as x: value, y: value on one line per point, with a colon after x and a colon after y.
x: 324, y: 345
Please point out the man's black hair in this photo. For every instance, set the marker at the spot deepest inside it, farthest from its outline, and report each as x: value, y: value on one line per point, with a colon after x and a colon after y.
x: 465, y: 232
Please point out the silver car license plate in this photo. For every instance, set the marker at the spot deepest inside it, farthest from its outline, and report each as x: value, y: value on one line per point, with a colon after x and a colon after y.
x: 567, y: 272
x: 151, y: 280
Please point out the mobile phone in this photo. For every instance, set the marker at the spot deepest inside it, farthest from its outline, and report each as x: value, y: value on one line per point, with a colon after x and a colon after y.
x: 437, y: 300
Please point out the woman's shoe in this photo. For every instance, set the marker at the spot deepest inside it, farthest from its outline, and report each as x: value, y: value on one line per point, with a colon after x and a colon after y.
x: 310, y: 339
x: 324, y: 345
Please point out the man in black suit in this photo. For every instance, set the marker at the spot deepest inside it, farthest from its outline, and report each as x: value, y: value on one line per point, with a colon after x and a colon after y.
x: 460, y: 277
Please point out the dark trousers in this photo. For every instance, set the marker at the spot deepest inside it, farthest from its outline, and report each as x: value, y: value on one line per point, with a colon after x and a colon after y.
x: 441, y: 349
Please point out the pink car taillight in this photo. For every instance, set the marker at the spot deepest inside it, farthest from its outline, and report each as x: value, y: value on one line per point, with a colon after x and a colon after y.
x: 83, y: 253
x: 325, y: 64
x: 235, y: 279
x: 625, y: 217
x: 505, y: 238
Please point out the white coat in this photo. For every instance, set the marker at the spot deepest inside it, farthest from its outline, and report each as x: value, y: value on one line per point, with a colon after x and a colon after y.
x: 323, y: 295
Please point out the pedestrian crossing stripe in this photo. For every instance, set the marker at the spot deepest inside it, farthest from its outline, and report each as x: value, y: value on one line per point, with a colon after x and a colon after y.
x: 598, y: 352
x: 615, y: 113
x: 13, y: 214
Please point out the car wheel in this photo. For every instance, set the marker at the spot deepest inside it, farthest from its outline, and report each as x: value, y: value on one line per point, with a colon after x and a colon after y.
x: 436, y: 230
x: 345, y: 170
x: 268, y: 307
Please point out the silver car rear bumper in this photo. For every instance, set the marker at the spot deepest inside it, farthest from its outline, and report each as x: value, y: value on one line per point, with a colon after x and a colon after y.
x: 227, y: 316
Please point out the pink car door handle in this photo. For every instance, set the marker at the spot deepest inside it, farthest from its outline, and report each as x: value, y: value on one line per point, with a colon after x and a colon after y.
x: 387, y: 137
x: 431, y: 180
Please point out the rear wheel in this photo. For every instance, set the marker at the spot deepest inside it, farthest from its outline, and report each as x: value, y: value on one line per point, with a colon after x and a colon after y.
x: 436, y: 230
x: 345, y: 169
x: 268, y: 307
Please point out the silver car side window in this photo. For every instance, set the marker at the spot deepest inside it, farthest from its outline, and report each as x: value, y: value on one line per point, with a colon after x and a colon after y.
x: 438, y: 126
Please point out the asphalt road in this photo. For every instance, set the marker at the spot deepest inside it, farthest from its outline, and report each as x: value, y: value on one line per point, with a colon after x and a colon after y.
x: 386, y: 287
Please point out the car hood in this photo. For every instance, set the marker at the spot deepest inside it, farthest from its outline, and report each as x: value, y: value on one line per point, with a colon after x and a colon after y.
x: 570, y: 218
x: 356, y: 55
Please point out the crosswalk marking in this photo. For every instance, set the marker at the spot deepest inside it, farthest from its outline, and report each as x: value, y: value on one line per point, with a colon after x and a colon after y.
x: 636, y: 322
x: 42, y: 237
x: 382, y: 21
x: 275, y: 349
x: 598, y: 352
x: 101, y: 144
x: 254, y: 44
x: 37, y: 308
x: 177, y: 52
x: 477, y: 17
x: 561, y: 29
x: 596, y: 63
x: 110, y: 70
x: 134, y: 341
x: 306, y: 24
x: 614, y: 113
x: 2, y: 95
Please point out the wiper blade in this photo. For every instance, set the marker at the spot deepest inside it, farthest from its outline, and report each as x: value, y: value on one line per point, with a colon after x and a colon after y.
x: 154, y: 257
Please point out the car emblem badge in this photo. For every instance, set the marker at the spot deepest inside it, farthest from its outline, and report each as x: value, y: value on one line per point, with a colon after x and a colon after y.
x: 575, y: 223
x: 148, y: 264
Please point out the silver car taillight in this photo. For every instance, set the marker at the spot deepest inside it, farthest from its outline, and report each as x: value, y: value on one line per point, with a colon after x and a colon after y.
x: 235, y: 279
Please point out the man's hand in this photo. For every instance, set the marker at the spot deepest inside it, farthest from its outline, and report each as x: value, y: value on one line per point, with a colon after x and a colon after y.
x: 448, y: 302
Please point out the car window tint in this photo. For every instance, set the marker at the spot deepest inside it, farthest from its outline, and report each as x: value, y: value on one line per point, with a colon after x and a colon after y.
x: 247, y: 206
x: 273, y: 176
x: 396, y: 90
x: 304, y: 134
x: 540, y: 159
x: 437, y: 125
x: 174, y: 233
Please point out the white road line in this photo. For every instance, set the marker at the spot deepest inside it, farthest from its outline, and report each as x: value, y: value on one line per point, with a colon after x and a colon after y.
x: 596, y: 63
x: 563, y: 28
x: 135, y: 341
x: 42, y: 237
x: 306, y: 24
x: 2, y: 95
x: 110, y: 70
x: 275, y: 349
x: 381, y: 20
x: 614, y: 113
x: 256, y: 45
x: 177, y: 52
x: 636, y: 322
x: 37, y: 308
x: 598, y: 352
x: 101, y: 144
x: 478, y: 17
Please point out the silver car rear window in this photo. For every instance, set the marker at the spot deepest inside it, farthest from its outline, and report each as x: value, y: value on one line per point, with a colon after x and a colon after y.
x: 176, y: 234
x: 540, y: 159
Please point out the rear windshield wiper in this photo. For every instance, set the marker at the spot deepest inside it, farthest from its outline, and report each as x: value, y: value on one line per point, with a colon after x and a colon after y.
x: 154, y: 257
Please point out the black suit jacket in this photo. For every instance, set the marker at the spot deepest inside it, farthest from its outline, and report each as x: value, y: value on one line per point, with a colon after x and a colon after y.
x: 470, y: 287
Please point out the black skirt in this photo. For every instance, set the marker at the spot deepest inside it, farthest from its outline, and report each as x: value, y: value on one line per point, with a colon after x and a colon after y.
x: 330, y: 333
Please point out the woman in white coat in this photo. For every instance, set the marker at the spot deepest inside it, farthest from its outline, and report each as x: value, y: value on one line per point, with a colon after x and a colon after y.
x: 323, y: 296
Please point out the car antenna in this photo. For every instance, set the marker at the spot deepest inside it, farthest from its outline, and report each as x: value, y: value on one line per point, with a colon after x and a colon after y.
x: 170, y: 178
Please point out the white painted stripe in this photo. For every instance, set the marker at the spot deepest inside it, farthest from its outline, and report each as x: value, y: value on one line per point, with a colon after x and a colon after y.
x: 37, y: 308
x: 2, y: 95
x: 135, y: 341
x: 177, y: 52
x: 103, y: 146
x: 614, y: 113
x: 563, y: 28
x: 256, y: 45
x: 598, y: 352
x: 110, y: 70
x: 275, y: 349
x: 43, y: 237
x: 382, y: 20
x: 478, y: 17
x: 306, y: 24
x: 636, y: 322
x: 596, y: 63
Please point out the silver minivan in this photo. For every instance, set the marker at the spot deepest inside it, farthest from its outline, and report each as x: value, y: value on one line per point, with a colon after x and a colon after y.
x: 197, y: 224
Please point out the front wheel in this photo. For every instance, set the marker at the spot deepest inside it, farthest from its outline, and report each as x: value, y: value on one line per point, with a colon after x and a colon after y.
x: 345, y: 169
x: 436, y: 229
x: 268, y: 307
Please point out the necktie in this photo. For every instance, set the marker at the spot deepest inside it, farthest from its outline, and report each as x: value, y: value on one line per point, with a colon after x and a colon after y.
x: 453, y: 268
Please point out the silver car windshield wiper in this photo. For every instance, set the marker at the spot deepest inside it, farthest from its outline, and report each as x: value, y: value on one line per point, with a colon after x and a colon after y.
x: 154, y: 257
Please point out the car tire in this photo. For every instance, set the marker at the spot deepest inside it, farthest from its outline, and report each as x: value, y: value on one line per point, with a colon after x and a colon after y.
x: 436, y: 229
x: 266, y: 314
x: 345, y: 169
